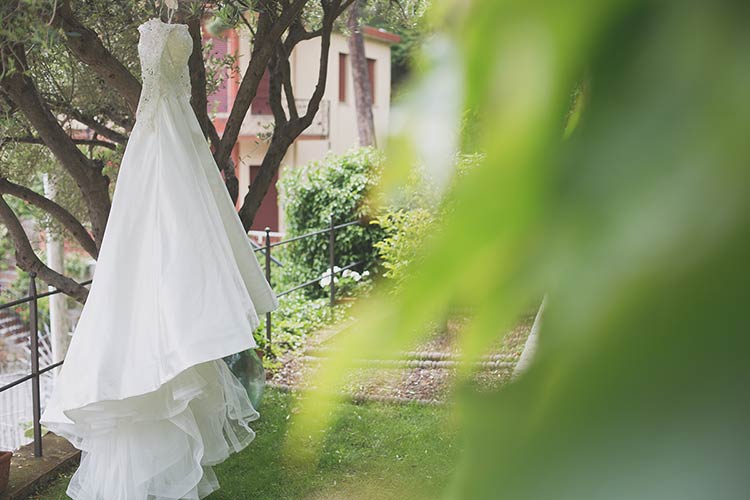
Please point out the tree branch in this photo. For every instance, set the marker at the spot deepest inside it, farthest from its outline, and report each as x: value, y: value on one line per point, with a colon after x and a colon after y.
x: 269, y: 33
x: 286, y: 79
x: 313, y: 105
x: 37, y: 140
x: 274, y: 94
x: 89, y: 178
x: 198, y: 97
x: 87, y: 46
x: 247, y: 24
x: 60, y: 214
x: 27, y: 260
x: 94, y: 125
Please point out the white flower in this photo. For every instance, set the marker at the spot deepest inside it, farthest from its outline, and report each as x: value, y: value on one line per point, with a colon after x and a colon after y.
x: 348, y: 273
x: 327, y: 272
x: 326, y: 281
x: 365, y: 274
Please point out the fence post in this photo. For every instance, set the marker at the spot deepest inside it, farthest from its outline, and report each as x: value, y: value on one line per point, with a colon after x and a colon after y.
x: 332, y: 259
x: 268, y: 278
x: 35, y: 394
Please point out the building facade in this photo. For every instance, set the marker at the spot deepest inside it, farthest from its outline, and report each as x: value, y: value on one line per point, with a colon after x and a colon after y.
x: 334, y: 128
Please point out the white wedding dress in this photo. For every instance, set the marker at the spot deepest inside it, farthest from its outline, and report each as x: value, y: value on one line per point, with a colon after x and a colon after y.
x: 143, y: 391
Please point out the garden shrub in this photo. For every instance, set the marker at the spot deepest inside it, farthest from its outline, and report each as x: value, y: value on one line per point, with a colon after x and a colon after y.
x: 410, y: 219
x: 335, y: 187
x: 405, y: 231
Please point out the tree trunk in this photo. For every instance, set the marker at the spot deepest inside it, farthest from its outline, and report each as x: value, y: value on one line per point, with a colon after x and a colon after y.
x: 268, y: 168
x: 360, y: 77
x: 199, y: 102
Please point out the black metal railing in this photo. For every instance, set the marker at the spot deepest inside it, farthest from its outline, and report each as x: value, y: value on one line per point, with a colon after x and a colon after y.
x: 32, y: 299
x: 331, y: 230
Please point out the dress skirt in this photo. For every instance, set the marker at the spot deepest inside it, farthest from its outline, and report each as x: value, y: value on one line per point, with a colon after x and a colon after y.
x: 143, y: 391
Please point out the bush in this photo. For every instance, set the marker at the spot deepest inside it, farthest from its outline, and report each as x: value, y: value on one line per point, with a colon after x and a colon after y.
x: 410, y: 219
x: 405, y: 231
x: 335, y: 187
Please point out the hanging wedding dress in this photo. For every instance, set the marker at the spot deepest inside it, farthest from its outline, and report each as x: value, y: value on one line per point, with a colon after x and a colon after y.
x: 144, y: 392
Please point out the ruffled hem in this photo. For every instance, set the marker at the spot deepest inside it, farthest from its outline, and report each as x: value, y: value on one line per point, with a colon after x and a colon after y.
x: 160, y: 445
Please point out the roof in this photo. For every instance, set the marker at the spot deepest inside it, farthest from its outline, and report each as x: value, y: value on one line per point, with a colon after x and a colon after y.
x: 380, y: 34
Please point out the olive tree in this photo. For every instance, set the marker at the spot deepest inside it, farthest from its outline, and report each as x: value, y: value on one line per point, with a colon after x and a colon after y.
x: 65, y: 62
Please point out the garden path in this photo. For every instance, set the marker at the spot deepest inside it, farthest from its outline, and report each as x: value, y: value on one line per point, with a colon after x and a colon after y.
x: 424, y: 374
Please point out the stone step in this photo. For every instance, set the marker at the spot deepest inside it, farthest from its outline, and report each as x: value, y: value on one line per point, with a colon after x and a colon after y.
x: 324, y: 352
x: 28, y: 473
x: 419, y: 363
x: 363, y: 398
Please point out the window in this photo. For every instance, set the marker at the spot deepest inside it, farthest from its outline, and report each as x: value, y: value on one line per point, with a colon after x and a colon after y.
x: 343, y: 62
x: 371, y: 76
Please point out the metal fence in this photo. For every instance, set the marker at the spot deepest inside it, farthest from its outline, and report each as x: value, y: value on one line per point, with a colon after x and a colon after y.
x: 32, y: 299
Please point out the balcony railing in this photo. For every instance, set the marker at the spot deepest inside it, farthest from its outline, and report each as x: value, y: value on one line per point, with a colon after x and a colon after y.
x: 262, y: 125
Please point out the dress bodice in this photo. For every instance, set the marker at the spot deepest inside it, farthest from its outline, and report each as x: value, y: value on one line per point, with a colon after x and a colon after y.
x: 164, y: 50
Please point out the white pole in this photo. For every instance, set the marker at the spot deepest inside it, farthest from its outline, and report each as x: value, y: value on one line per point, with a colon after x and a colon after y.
x: 530, y: 347
x: 58, y: 310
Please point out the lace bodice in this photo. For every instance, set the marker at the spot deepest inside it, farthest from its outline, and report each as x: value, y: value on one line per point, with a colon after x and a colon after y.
x: 164, y: 50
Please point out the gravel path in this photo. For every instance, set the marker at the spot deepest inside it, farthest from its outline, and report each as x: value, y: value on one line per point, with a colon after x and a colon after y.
x: 424, y: 374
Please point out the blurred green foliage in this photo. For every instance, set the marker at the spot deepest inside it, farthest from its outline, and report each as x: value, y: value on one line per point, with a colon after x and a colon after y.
x: 333, y: 188
x: 410, y: 217
x: 635, y: 222
x: 404, y: 233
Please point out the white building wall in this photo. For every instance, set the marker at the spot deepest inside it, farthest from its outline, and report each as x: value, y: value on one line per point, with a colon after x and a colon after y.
x: 343, y: 124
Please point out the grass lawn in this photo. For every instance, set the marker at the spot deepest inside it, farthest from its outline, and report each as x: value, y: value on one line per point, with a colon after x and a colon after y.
x: 374, y: 451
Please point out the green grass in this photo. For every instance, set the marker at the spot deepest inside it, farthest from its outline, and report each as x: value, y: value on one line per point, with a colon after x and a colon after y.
x: 374, y: 452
